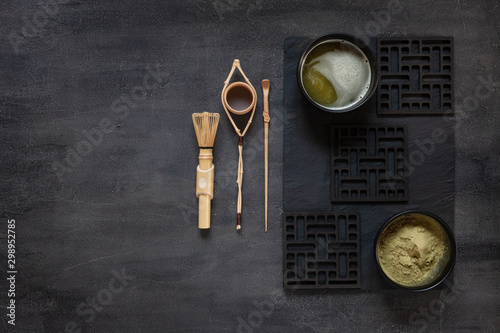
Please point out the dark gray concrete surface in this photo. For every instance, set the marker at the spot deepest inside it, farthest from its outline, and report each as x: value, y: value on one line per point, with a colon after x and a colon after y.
x: 108, y: 241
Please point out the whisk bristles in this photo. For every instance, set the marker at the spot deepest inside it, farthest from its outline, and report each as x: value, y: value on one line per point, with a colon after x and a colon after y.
x: 205, y: 126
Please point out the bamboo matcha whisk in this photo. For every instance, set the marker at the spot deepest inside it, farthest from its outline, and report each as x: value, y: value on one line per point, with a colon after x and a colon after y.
x: 205, y: 126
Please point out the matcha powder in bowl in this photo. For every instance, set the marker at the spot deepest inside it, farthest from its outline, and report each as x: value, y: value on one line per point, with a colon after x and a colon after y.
x: 415, y: 250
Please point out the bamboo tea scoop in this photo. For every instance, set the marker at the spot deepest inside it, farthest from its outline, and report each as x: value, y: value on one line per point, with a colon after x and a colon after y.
x: 239, y: 98
x: 265, y: 91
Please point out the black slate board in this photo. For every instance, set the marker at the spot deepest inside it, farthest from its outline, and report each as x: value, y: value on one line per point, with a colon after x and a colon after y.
x: 306, y: 163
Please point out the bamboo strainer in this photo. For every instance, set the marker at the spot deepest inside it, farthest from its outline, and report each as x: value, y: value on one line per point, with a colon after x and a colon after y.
x: 239, y: 98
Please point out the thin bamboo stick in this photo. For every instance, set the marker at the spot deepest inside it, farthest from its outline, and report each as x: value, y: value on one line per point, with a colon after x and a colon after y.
x: 265, y: 91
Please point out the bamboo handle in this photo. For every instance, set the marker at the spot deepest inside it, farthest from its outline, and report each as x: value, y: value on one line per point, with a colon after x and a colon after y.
x: 204, y: 187
x: 204, y: 211
x: 266, y: 106
x: 265, y: 91
x: 266, y: 161
x: 239, y: 181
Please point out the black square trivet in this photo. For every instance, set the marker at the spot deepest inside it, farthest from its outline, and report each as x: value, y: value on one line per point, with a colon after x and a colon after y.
x: 368, y: 163
x: 321, y: 250
x: 415, y: 75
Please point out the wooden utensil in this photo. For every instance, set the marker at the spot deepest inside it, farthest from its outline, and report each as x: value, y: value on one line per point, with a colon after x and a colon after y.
x: 205, y: 126
x: 239, y: 98
x: 265, y: 91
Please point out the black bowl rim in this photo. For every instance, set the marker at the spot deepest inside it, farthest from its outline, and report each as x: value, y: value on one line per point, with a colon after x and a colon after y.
x: 450, y: 265
x: 363, y: 47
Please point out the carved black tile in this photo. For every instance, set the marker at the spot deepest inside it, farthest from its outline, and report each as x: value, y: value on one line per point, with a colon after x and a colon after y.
x: 321, y: 250
x: 368, y: 163
x: 415, y: 75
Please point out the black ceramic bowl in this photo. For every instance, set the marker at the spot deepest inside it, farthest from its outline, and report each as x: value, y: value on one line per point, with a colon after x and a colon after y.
x: 348, y: 65
x: 445, y: 263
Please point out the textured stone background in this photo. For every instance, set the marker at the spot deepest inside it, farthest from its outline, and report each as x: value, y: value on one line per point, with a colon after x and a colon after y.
x: 68, y: 67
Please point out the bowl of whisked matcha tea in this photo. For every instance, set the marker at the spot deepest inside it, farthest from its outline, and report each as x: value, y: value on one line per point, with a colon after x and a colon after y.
x: 337, y: 73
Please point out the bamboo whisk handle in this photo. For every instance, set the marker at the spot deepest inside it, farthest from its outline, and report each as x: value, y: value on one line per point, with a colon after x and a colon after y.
x: 204, y: 187
x: 204, y: 203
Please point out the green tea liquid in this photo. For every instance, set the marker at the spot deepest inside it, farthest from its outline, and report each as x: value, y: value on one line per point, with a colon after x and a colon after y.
x: 336, y: 74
